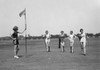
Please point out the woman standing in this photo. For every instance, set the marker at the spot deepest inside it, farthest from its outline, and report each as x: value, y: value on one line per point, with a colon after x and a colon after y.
x: 47, y: 37
x: 14, y: 37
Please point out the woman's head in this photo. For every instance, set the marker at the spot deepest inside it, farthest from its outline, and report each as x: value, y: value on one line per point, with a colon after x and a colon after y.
x: 71, y: 32
x: 62, y: 32
x: 81, y: 30
x: 15, y: 28
x: 46, y: 32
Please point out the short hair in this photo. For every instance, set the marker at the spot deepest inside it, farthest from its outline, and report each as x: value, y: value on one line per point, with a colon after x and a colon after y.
x: 46, y: 31
x: 71, y: 31
x: 81, y: 29
x: 62, y: 31
x: 15, y: 28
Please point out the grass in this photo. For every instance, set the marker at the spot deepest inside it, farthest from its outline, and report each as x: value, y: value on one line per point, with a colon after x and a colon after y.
x: 38, y: 59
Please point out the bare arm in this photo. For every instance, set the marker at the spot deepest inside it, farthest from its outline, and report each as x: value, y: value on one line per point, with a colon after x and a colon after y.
x: 75, y: 37
x: 22, y: 31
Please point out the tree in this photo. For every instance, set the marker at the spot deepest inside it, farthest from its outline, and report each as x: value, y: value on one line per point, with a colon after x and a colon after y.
x: 97, y: 35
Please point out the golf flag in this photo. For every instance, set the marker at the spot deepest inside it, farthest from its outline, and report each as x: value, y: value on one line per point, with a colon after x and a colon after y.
x: 22, y: 12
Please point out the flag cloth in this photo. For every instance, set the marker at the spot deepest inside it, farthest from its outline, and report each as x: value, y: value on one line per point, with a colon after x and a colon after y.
x: 22, y: 13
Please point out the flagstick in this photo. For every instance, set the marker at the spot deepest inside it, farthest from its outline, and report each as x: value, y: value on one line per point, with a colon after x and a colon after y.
x: 25, y: 35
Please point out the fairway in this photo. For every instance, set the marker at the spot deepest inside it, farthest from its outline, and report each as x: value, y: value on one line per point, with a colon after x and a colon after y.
x: 38, y: 59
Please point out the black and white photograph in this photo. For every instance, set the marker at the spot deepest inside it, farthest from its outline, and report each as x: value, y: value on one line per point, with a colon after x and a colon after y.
x: 49, y: 34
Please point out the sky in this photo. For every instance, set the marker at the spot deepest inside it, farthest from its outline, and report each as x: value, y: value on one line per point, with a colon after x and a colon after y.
x: 51, y: 15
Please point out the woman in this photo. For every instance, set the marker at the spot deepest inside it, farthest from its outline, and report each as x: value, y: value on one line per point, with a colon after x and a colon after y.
x: 14, y: 37
x: 47, y: 37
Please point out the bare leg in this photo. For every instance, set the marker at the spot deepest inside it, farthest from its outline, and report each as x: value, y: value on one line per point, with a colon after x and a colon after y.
x: 16, y: 49
x: 81, y: 44
x: 71, y: 46
x: 84, y: 48
x: 62, y: 47
x: 48, y: 47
